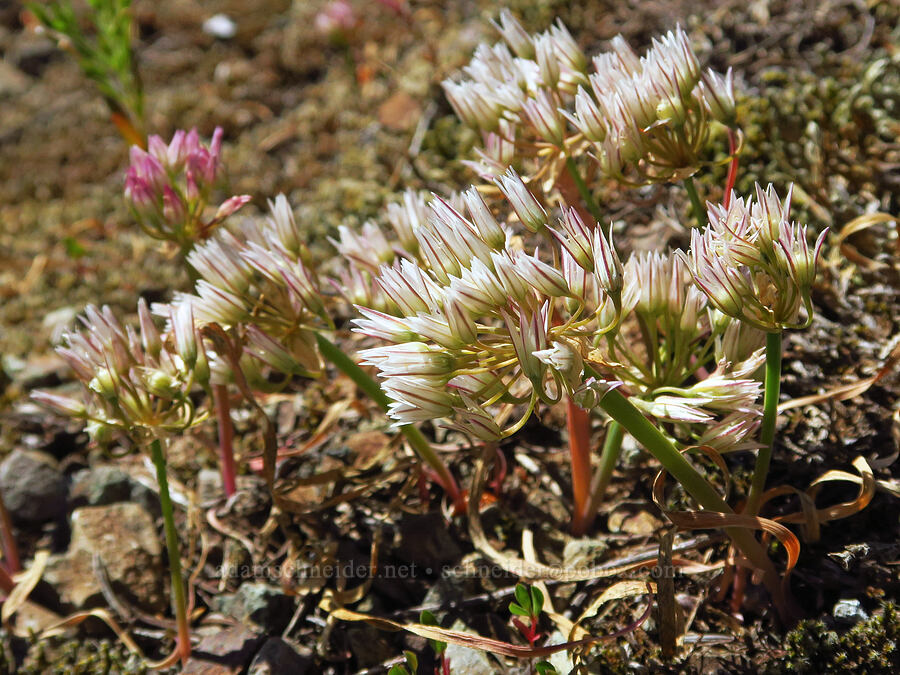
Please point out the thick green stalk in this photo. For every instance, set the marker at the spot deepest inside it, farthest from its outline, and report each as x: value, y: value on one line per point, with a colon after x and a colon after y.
x: 609, y: 457
x: 696, y: 204
x: 179, y: 602
x: 583, y: 190
x: 770, y: 415
x: 623, y: 411
x: 371, y: 388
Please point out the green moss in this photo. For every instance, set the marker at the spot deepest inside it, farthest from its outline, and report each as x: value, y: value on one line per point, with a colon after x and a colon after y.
x: 872, y: 646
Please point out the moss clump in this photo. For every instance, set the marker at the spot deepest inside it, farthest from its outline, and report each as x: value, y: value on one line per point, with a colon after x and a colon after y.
x: 871, y: 646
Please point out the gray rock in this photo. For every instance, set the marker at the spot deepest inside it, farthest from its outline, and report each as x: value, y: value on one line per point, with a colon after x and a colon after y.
x: 12, y: 80
x: 849, y: 612
x: 258, y: 603
x: 227, y: 652
x: 560, y: 660
x: 33, y: 487
x: 32, y: 53
x: 100, y: 486
x: 45, y: 370
x: 277, y: 657
x: 427, y: 542
x: 465, y: 661
x: 369, y: 645
x: 128, y: 545
x: 106, y: 484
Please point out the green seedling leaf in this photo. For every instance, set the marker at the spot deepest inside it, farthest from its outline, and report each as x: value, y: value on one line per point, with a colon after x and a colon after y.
x: 545, y: 668
x: 523, y: 597
x: 73, y: 247
x: 412, y: 661
x: 398, y: 670
x: 537, y: 601
x: 518, y: 610
x: 429, y: 619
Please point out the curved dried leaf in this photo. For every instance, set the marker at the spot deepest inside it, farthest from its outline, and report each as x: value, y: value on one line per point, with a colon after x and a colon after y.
x: 810, y: 516
x: 106, y: 617
x: 845, y: 391
x: 702, y: 520
x: 471, y: 640
x: 25, y: 583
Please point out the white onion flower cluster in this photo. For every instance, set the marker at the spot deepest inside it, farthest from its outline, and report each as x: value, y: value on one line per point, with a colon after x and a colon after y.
x: 475, y: 325
x: 134, y: 383
x: 668, y: 334
x: 260, y: 285
x: 754, y: 263
x: 644, y: 119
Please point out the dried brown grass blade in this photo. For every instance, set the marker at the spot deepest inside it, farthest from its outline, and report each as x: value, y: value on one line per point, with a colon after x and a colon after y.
x: 810, y: 516
x: 618, y: 591
x: 322, y: 432
x: 106, y: 617
x: 845, y: 391
x: 859, y: 224
x: 25, y: 583
x: 470, y: 640
x: 707, y: 520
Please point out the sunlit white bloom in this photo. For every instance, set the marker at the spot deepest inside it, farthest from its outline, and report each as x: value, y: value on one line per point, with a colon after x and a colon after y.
x: 479, y: 289
x: 515, y: 36
x: 368, y: 248
x: 541, y: 112
x: 407, y: 217
x: 528, y: 333
x: 473, y: 420
x: 529, y: 210
x: 410, y: 288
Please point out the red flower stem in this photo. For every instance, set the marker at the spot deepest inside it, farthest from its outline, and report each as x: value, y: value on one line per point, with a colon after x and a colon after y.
x: 732, y: 168
x: 10, y: 549
x: 6, y: 581
x: 226, y: 438
x: 579, y: 427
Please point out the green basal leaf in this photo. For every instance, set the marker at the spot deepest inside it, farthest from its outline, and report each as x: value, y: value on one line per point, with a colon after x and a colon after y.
x: 523, y: 597
x: 537, y: 601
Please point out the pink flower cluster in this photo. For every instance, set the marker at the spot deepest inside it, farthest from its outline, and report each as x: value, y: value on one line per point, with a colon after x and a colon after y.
x: 169, y: 187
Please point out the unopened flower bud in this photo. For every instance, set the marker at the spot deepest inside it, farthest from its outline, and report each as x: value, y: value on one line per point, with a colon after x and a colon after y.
x: 104, y: 383
x: 159, y: 383
x: 63, y: 404
x: 527, y: 208
x: 718, y: 94
x: 99, y: 432
x: 483, y: 219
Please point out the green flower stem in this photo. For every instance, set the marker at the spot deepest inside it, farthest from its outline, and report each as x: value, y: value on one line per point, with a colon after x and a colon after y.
x: 696, y: 204
x: 583, y: 189
x: 179, y: 603
x: 623, y: 411
x: 371, y: 388
x: 770, y: 415
x: 609, y: 457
